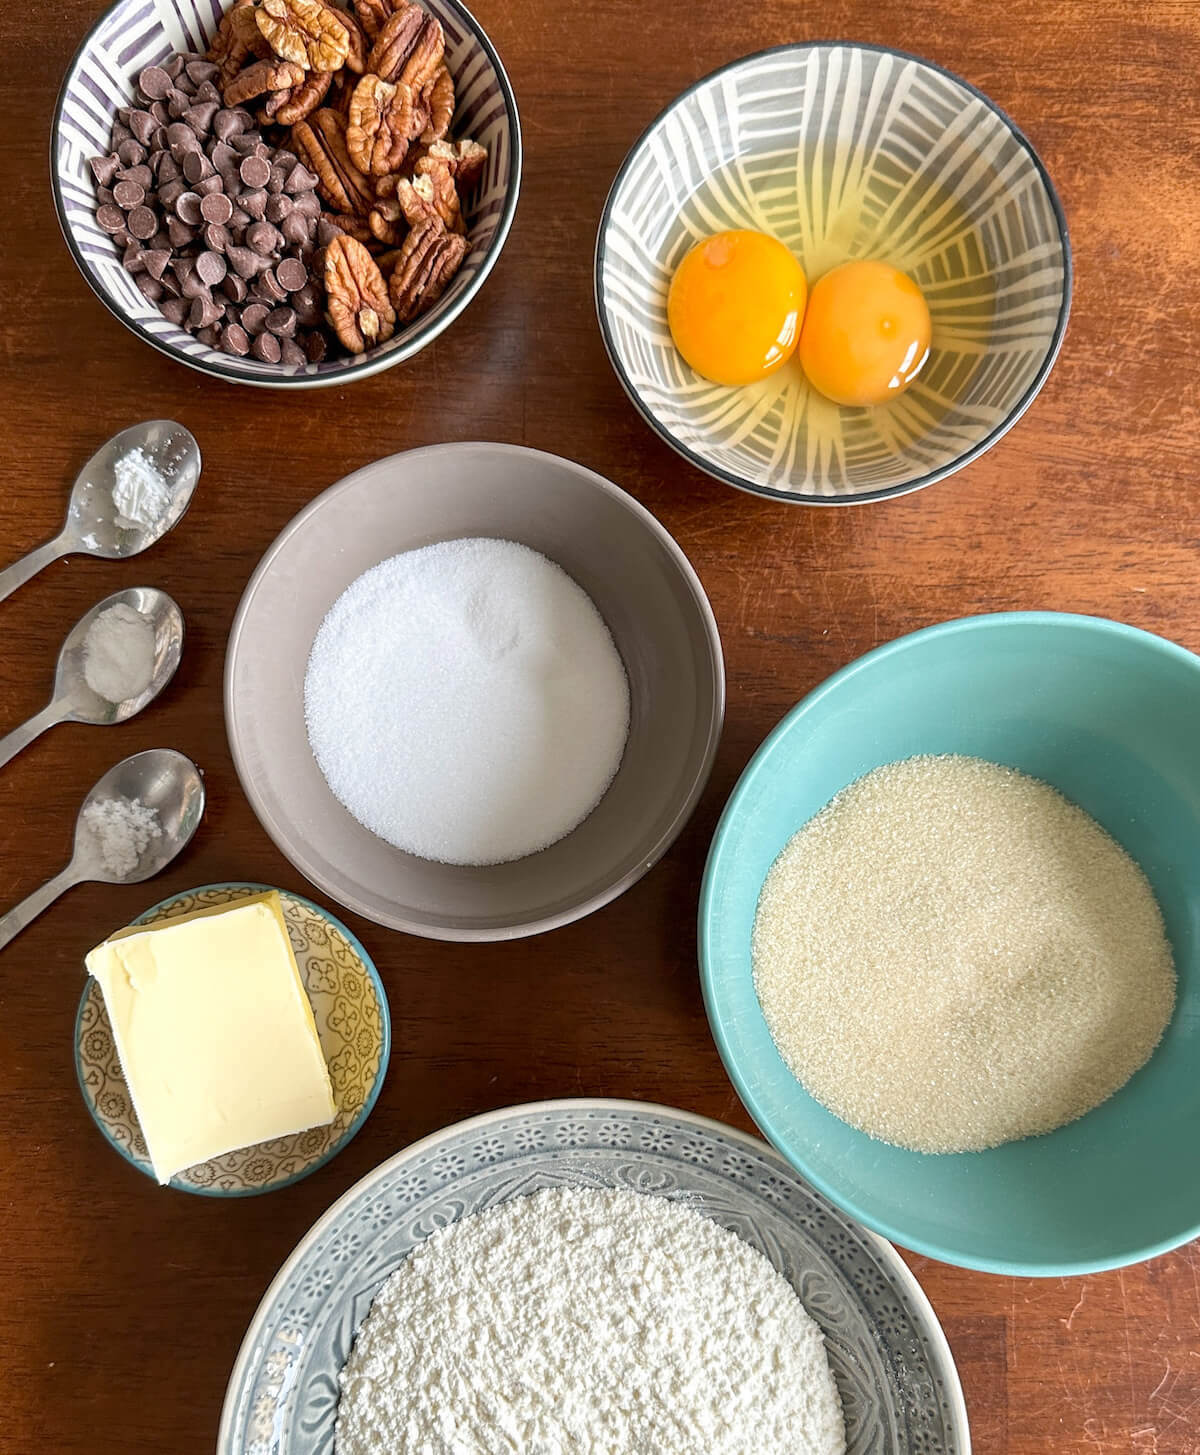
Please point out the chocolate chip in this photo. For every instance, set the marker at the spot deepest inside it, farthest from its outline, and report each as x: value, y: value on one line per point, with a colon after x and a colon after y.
x: 142, y: 223
x: 128, y: 195
x: 120, y: 133
x: 216, y: 237
x: 235, y: 340
x: 208, y: 185
x: 143, y: 126
x: 308, y: 204
x: 187, y: 208
x: 170, y: 192
x: 254, y: 317
x: 235, y: 288
x: 201, y: 71
x: 133, y: 260
x: 110, y: 217
x: 155, y: 261
x: 282, y: 322
x: 211, y: 267
x: 278, y: 207
x: 210, y: 336
x: 140, y: 174
x: 158, y: 109
x: 239, y: 219
x: 192, y: 285
x: 104, y: 169
x: 178, y: 103
x: 295, y: 228
x: 264, y: 238
x: 155, y: 83
x: 315, y: 346
x: 326, y: 232
x: 230, y: 123
x: 216, y: 207
x: 254, y: 202
x: 166, y: 168
x: 205, y: 92
x: 279, y: 175
x: 200, y: 115
x: 179, y: 232
x: 131, y: 152
x: 181, y: 139
x: 300, y: 179
x: 243, y: 261
x: 104, y: 196
x: 291, y: 353
x: 291, y: 274
x: 175, y: 310
x: 150, y: 287
x: 174, y: 66
x: 266, y: 347
x: 196, y: 167
x: 307, y: 303
x: 171, y: 284
x: 255, y: 172
x: 204, y: 312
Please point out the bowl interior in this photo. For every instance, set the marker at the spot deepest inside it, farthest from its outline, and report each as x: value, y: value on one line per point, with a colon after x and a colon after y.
x: 1111, y: 717
x: 101, y: 78
x: 900, y: 1393
x: 842, y: 152
x: 642, y: 586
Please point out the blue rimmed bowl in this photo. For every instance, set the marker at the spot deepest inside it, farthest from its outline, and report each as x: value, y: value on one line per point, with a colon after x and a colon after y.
x: 1108, y: 715
x: 351, y: 1012
x: 133, y: 34
x: 841, y: 151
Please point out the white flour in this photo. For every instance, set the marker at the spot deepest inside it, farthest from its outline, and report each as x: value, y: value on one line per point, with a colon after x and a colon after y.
x: 141, y: 494
x: 121, y: 829
x: 581, y: 1322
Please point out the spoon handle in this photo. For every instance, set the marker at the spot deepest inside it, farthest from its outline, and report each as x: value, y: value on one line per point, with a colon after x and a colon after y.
x: 12, y: 743
x: 20, y: 571
x: 12, y: 923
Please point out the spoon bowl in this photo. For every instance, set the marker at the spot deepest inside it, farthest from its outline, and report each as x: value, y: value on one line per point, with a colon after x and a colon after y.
x: 161, y: 779
x: 78, y: 701
x: 93, y: 526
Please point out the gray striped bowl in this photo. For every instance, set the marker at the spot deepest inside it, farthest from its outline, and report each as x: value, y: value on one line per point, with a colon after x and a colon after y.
x: 841, y: 151
x: 136, y: 33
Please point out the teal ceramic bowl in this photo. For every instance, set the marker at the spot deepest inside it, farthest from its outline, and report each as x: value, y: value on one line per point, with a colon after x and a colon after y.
x: 1111, y: 717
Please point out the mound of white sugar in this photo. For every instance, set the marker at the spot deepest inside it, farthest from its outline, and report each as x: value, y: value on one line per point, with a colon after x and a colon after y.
x: 590, y: 1322
x: 121, y: 829
x: 951, y: 955
x: 466, y: 702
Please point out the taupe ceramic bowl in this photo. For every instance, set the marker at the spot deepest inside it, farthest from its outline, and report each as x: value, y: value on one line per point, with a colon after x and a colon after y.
x: 642, y: 585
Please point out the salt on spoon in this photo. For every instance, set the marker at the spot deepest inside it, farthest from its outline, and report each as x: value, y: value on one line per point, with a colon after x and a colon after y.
x: 132, y: 824
x: 106, y: 649
x: 133, y: 490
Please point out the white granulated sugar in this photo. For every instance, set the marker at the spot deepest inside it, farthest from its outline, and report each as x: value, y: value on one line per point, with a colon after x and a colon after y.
x: 466, y: 702
x: 576, y: 1321
x: 118, y: 653
x: 122, y: 829
x: 951, y: 955
x: 140, y: 494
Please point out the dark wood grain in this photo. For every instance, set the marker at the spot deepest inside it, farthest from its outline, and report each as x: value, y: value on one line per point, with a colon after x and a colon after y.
x: 121, y: 1305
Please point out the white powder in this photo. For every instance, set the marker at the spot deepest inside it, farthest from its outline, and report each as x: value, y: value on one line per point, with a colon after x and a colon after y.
x: 951, y: 955
x: 582, y: 1322
x: 122, y: 828
x: 466, y: 702
x: 140, y: 494
x: 118, y: 653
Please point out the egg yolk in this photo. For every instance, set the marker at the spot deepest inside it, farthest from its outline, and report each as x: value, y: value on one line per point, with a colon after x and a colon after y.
x: 734, y: 306
x: 865, y: 334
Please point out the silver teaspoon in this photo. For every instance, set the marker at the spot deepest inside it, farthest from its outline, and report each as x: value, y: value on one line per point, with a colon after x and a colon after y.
x: 92, y: 527
x: 74, y: 700
x: 161, y: 779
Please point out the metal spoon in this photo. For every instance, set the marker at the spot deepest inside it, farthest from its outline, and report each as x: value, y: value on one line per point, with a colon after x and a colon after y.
x: 160, y: 778
x: 74, y: 700
x: 92, y: 527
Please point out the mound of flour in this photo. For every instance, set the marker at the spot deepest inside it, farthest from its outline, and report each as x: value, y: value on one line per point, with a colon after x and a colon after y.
x: 583, y: 1322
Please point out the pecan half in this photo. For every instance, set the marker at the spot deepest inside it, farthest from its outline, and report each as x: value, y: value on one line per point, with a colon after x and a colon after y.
x: 360, y: 44
x: 237, y: 42
x: 383, y: 120
x: 303, y: 99
x: 304, y: 31
x: 353, y: 227
x: 372, y: 15
x: 320, y: 143
x: 262, y: 76
x: 409, y: 47
x: 438, y: 100
x: 428, y: 259
x: 356, y: 297
x: 466, y: 160
x: 434, y: 183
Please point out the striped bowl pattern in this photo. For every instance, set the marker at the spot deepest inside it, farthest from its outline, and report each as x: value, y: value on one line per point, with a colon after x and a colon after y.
x: 841, y: 151
x: 137, y: 33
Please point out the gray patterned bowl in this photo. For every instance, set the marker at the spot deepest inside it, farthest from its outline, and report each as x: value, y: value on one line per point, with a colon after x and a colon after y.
x: 133, y: 34
x: 899, y: 1388
x: 351, y: 1012
x: 841, y: 151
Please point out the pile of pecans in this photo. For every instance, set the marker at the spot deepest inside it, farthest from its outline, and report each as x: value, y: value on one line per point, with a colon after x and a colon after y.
x: 335, y: 204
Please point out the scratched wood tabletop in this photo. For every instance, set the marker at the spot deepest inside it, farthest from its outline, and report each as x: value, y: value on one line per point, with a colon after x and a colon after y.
x: 121, y: 1304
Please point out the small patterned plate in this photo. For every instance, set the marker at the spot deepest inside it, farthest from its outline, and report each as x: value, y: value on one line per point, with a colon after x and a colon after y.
x: 894, y: 1371
x: 351, y: 1011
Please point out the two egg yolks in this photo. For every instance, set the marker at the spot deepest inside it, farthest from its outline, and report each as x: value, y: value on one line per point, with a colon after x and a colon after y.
x: 737, y: 311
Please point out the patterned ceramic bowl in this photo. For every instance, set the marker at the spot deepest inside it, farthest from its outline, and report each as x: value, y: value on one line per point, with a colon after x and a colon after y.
x: 136, y: 33
x: 351, y: 1011
x: 841, y: 151
x: 899, y: 1388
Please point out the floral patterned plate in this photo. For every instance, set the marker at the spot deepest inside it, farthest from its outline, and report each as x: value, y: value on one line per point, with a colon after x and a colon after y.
x: 899, y: 1388
x: 351, y: 1011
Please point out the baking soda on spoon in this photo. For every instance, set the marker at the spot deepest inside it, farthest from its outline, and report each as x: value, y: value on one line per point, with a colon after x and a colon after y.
x: 466, y: 702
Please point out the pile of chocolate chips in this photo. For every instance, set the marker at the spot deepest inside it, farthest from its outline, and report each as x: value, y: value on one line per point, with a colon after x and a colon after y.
x: 218, y: 227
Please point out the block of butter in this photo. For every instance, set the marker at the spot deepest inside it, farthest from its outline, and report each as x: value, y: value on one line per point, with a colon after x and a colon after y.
x: 214, y: 1031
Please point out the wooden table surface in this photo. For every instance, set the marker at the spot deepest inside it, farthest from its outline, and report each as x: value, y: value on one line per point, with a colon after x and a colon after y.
x: 122, y: 1305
